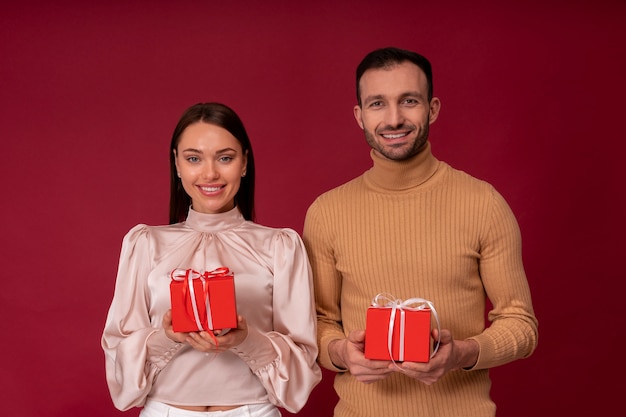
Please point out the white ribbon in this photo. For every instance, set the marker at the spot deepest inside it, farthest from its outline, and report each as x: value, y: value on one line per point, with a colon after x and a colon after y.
x: 384, y: 300
x: 189, y: 275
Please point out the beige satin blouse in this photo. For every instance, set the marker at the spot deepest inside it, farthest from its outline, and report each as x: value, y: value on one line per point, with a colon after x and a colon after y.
x: 273, y: 287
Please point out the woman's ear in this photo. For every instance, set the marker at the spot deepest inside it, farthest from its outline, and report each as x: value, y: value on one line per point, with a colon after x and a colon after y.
x: 245, y: 164
x: 176, y: 161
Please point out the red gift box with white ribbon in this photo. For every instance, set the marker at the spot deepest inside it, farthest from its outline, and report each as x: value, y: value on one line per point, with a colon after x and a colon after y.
x: 399, y: 330
x: 203, y: 301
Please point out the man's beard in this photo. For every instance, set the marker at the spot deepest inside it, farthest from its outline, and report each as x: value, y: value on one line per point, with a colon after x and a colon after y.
x: 401, y: 152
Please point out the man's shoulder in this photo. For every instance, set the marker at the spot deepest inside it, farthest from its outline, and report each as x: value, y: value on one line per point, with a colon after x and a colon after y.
x: 340, y: 199
x: 465, y: 179
x: 350, y: 187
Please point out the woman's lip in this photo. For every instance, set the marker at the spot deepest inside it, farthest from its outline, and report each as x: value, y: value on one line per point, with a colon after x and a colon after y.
x: 210, y: 189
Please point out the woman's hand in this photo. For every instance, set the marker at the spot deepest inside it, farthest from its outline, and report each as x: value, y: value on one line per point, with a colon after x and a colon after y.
x: 205, y: 341
x: 179, y: 337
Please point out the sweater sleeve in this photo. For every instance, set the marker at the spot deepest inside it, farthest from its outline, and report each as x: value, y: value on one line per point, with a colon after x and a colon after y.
x: 327, y: 283
x: 284, y: 359
x: 135, y: 351
x: 512, y: 333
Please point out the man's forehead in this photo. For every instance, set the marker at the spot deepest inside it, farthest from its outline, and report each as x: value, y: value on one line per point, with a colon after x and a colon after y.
x: 393, y: 80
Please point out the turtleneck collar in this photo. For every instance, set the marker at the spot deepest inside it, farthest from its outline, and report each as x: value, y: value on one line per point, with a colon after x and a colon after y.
x: 401, y: 175
x: 203, y: 222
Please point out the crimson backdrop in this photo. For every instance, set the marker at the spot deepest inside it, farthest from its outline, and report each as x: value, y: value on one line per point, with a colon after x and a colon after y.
x: 532, y: 97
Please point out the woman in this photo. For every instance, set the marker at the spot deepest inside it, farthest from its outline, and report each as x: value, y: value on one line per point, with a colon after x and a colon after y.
x: 269, y: 359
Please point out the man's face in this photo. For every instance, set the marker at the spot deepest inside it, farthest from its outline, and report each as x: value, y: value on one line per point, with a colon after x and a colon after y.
x: 395, y: 113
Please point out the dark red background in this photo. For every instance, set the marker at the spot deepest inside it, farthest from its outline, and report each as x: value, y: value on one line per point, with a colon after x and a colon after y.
x: 533, y: 102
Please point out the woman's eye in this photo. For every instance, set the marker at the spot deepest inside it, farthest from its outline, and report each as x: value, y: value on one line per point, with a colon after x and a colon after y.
x: 225, y: 158
x: 193, y: 159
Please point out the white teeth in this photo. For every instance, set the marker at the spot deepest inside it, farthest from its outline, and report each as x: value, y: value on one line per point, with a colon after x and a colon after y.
x: 210, y: 189
x: 396, y: 136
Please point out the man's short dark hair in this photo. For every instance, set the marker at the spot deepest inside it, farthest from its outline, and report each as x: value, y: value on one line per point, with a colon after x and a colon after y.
x: 390, y: 56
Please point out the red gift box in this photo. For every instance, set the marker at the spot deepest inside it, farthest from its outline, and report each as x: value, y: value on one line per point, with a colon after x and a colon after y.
x: 203, y: 301
x: 399, y: 330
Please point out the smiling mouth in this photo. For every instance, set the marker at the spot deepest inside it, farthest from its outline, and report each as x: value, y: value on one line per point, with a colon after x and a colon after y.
x: 211, y: 189
x: 394, y: 135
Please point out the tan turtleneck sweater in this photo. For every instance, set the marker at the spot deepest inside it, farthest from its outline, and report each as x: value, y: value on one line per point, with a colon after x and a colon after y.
x: 420, y: 228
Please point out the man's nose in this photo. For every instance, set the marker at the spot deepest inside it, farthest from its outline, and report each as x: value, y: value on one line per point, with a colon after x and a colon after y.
x: 394, y: 116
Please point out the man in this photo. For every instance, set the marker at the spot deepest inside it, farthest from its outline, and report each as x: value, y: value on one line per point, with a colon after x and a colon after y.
x: 413, y: 226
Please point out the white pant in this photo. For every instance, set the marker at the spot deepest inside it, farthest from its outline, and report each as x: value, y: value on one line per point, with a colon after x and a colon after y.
x: 158, y: 409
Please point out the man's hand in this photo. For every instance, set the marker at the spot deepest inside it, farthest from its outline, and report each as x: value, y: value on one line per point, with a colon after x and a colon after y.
x: 452, y: 354
x: 348, y: 354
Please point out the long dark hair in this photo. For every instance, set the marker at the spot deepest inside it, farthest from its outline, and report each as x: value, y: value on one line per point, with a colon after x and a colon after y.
x: 223, y: 116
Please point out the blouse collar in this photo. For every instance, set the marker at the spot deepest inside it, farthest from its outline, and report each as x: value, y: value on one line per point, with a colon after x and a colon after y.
x: 401, y: 175
x: 204, y: 222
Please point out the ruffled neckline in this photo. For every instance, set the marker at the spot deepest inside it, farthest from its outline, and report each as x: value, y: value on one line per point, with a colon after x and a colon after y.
x: 214, y: 222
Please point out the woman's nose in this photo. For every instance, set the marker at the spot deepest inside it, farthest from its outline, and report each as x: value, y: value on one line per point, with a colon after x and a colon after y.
x: 210, y: 171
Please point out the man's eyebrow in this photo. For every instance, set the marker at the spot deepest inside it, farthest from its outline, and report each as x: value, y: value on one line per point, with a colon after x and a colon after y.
x: 406, y: 94
x: 373, y: 98
x: 415, y: 94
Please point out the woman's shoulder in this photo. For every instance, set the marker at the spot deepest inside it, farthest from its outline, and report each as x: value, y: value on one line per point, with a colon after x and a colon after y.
x: 143, y: 227
x: 148, y: 232
x: 271, y: 230
x: 272, y: 235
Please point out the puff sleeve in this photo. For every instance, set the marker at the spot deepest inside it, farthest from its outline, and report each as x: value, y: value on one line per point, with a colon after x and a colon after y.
x: 135, y: 347
x: 284, y: 359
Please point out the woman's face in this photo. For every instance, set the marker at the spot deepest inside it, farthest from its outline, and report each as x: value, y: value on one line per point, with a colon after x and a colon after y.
x: 210, y: 163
